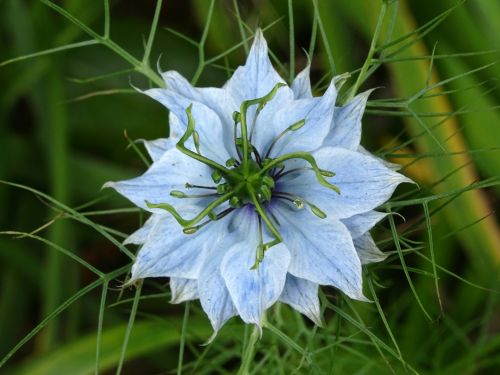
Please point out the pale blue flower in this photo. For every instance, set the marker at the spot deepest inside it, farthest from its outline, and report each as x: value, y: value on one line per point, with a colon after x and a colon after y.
x: 290, y: 191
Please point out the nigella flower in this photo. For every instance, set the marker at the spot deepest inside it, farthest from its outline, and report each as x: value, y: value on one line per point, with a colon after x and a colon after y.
x: 261, y: 193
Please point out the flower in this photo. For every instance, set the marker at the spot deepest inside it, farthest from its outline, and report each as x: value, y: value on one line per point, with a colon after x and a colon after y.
x: 261, y: 193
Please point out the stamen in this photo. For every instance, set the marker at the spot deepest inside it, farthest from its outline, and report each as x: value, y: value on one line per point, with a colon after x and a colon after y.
x: 304, y: 156
x: 243, y: 113
x: 299, y: 203
x: 197, y: 156
x: 295, y: 126
x: 190, y: 222
x: 190, y: 186
x: 182, y: 195
x: 278, y: 239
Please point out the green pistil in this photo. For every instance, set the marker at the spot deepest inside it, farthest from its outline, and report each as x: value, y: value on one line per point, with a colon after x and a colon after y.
x: 246, y: 179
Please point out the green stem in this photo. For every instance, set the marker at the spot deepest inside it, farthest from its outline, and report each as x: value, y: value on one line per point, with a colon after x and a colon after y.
x: 372, y: 50
x: 249, y: 353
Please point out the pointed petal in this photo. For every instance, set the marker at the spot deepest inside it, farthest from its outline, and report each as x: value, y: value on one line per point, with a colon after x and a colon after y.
x: 183, y: 289
x: 157, y: 147
x: 214, y: 296
x: 219, y: 100
x: 322, y: 250
x: 364, y: 182
x: 168, y: 252
x: 302, y: 295
x: 207, y: 123
x: 301, y: 85
x: 169, y: 173
x: 362, y: 223
x: 140, y: 235
x: 254, y: 290
x: 392, y: 166
x: 257, y: 77
x: 345, y: 131
x: 317, y: 113
x: 367, y: 250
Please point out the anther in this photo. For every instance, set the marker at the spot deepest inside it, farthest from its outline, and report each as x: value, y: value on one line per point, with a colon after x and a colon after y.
x: 326, y: 173
x: 177, y: 194
x: 231, y: 162
x: 315, y: 210
x: 223, y: 188
x: 268, y: 181
x: 216, y: 176
x: 266, y: 192
x: 196, y: 140
x: 235, y: 202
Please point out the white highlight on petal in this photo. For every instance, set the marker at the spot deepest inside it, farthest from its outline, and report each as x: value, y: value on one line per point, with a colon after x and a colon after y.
x: 183, y: 289
x: 140, y: 235
x: 157, y: 147
x: 367, y: 250
x: 301, y: 85
x: 257, y: 77
x: 302, y: 295
x: 345, y: 129
x: 362, y: 223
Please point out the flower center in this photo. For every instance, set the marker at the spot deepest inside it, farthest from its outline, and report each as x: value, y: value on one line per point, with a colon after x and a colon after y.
x: 249, y: 179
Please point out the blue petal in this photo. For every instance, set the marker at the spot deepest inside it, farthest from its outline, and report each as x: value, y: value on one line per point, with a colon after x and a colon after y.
x: 169, y: 173
x: 257, y: 77
x: 140, y: 236
x: 168, y: 252
x: 317, y: 113
x: 362, y: 223
x: 301, y: 85
x: 302, y: 295
x: 157, y: 147
x: 254, y: 290
x: 218, y: 100
x: 364, y: 182
x: 183, y: 289
x: 214, y: 296
x: 345, y: 130
x: 213, y: 134
x: 393, y: 166
x: 322, y: 250
x: 367, y: 250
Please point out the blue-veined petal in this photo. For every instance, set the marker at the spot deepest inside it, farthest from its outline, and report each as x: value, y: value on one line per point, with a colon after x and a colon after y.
x: 213, y: 134
x: 317, y: 113
x: 257, y: 77
x: 364, y: 182
x: 302, y: 295
x: 183, y: 290
x: 322, y: 250
x: 168, y: 252
x: 345, y: 129
x: 218, y: 100
x: 213, y: 293
x: 254, y: 290
x: 362, y: 223
x: 367, y: 250
x: 169, y: 173
x: 157, y: 147
x: 301, y: 85
x: 140, y: 235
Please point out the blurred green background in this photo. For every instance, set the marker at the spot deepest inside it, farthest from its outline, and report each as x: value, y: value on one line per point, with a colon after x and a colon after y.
x: 62, y: 121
